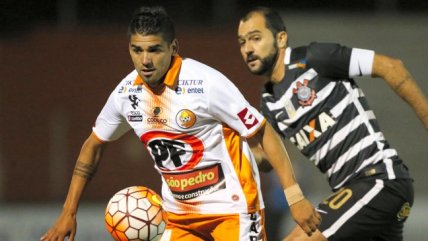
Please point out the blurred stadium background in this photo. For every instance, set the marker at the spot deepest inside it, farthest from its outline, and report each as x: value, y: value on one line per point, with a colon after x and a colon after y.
x: 60, y: 59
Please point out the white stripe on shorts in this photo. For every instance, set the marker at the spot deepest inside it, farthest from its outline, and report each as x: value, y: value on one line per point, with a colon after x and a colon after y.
x: 353, y: 210
x: 251, y: 226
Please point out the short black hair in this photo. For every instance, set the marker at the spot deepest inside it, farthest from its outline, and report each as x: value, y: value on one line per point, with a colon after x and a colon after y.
x: 273, y: 20
x: 152, y: 20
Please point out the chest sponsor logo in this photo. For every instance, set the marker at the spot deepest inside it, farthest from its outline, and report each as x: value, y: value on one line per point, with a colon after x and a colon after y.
x: 314, y: 129
x: 247, y: 118
x: 305, y: 94
x: 189, y: 87
x: 185, y: 118
x: 135, y: 116
x: 156, y: 119
x: 189, y: 185
x: 136, y: 90
x: 134, y: 101
x: 189, y: 90
x: 173, y: 151
x: 123, y: 89
x: 188, y: 82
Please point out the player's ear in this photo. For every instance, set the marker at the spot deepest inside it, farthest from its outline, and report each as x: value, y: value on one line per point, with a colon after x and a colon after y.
x: 281, y: 39
x: 174, y: 47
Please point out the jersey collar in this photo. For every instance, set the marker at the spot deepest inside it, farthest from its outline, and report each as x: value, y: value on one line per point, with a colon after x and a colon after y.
x: 170, y: 77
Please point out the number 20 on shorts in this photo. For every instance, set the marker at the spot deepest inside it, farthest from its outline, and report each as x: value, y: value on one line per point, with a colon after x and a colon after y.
x: 337, y: 199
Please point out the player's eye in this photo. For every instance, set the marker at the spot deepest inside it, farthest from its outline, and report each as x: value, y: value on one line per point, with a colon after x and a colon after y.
x: 255, y: 38
x: 154, y: 49
x: 137, y: 50
x: 241, y: 41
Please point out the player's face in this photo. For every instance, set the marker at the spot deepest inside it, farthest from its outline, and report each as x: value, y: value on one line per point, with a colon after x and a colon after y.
x: 151, y: 56
x: 257, y: 44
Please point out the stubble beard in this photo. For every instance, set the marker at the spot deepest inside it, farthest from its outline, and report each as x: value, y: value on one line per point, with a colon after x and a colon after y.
x: 267, y: 63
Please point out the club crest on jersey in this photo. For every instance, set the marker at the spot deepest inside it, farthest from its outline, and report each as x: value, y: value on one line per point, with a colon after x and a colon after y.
x: 156, y: 119
x: 247, y: 118
x: 305, y: 94
x: 157, y: 111
x: 185, y: 118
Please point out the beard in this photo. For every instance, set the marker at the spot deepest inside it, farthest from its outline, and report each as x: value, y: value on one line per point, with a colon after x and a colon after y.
x: 267, y: 63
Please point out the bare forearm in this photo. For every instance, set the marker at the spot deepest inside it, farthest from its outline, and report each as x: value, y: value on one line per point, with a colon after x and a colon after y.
x: 84, y: 170
x: 412, y: 94
x: 401, y: 81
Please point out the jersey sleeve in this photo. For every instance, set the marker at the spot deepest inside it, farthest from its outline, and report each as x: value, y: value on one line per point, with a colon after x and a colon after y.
x: 228, y: 105
x: 110, y: 124
x: 337, y: 61
x: 328, y: 59
x: 269, y: 117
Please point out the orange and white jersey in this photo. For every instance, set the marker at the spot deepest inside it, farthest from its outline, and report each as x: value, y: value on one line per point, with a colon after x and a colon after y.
x: 195, y: 129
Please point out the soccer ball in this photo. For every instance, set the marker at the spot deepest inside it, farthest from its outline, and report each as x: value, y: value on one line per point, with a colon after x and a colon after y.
x: 135, y: 214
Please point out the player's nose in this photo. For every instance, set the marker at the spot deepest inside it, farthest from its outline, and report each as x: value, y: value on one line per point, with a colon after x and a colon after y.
x: 146, y: 59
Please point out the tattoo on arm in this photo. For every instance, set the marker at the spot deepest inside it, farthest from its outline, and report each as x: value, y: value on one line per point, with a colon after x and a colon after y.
x: 85, y: 170
x: 403, y: 81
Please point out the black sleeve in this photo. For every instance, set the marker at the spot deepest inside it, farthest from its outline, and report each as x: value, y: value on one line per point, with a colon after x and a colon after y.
x: 329, y: 59
x: 264, y: 110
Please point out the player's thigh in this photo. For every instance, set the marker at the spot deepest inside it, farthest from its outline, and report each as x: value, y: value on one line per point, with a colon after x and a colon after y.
x: 297, y: 234
x: 360, y: 211
x: 196, y: 227
x: 192, y: 227
x: 175, y: 233
x: 245, y: 227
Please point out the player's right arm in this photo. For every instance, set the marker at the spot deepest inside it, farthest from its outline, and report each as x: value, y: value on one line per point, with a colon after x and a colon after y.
x: 85, y: 169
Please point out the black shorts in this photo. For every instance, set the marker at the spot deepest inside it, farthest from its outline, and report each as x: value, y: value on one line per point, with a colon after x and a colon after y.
x: 368, y: 209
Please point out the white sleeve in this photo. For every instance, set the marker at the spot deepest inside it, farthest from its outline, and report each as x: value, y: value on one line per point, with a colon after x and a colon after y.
x: 227, y: 104
x: 361, y: 62
x: 110, y: 124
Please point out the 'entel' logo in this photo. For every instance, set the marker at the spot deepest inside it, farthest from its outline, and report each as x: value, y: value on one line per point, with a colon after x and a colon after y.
x: 247, y: 118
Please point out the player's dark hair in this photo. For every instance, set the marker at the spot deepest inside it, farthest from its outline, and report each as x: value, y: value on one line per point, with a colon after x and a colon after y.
x: 273, y: 20
x: 152, y: 20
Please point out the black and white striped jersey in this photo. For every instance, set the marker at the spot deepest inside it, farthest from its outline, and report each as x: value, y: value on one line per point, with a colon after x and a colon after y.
x: 320, y: 108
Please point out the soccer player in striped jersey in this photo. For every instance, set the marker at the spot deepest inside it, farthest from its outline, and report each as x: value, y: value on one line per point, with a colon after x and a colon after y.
x: 311, y: 99
x: 197, y: 126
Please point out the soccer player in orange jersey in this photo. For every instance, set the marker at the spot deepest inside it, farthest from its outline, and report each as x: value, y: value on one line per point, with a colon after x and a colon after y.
x: 197, y: 127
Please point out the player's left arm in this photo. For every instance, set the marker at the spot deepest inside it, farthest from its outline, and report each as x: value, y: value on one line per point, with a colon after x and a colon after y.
x: 401, y: 81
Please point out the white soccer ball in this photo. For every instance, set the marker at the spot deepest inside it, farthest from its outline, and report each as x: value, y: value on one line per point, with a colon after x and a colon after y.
x: 135, y: 214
